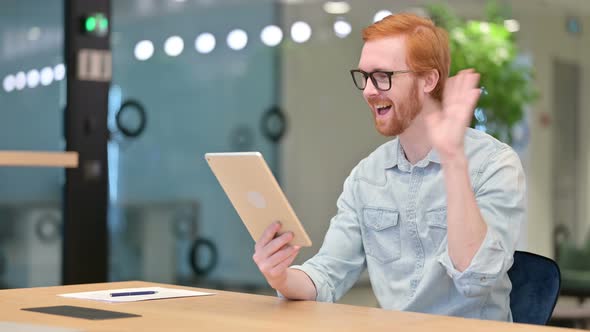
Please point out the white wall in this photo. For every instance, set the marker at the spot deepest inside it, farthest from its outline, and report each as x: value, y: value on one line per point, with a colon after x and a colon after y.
x: 330, y: 128
x: 544, y: 36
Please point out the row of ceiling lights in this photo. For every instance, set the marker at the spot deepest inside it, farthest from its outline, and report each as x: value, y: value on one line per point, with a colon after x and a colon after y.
x: 205, y: 43
x: 33, y: 78
x: 237, y: 39
x: 271, y: 36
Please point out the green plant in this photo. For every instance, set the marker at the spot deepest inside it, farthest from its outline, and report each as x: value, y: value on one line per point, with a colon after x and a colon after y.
x: 489, y: 48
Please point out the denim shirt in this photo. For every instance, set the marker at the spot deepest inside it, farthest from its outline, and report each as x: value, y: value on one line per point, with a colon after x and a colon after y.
x: 392, y: 220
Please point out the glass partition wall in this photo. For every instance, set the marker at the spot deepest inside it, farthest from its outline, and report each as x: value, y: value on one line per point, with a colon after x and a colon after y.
x: 206, y: 83
x: 32, y: 101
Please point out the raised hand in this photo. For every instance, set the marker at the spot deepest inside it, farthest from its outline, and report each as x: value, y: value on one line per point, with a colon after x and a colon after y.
x: 446, y: 129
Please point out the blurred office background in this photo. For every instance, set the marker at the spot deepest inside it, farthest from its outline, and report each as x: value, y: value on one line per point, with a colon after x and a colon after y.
x: 216, y: 75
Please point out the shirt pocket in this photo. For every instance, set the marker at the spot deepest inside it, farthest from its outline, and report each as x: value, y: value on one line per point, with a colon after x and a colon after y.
x: 437, y: 227
x: 381, y: 234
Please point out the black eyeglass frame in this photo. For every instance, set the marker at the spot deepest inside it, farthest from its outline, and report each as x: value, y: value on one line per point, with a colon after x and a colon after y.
x: 373, y: 80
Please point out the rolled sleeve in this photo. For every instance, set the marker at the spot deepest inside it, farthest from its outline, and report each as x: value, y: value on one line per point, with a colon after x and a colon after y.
x: 500, y: 196
x: 486, y: 266
x: 324, y: 293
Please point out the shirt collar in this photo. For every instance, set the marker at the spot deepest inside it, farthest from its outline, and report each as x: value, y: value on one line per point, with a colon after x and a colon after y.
x: 396, y: 157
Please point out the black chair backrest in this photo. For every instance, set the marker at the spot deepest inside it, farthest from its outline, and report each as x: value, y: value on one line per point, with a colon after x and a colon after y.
x: 536, y: 281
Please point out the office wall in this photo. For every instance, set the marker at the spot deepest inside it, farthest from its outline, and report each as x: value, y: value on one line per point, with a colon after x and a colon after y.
x: 331, y: 127
x: 544, y: 36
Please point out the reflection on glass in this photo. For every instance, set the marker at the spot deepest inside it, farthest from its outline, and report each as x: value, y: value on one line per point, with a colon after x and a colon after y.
x: 174, y: 46
x: 143, y: 50
x: 271, y: 35
x: 33, y: 77
x: 205, y: 43
x: 46, y: 76
x: 59, y: 72
x: 9, y: 83
x: 31, y: 38
x: 20, y: 81
x: 237, y: 39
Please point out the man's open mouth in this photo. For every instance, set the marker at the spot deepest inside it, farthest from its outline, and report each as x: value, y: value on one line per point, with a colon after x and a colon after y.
x: 382, y: 109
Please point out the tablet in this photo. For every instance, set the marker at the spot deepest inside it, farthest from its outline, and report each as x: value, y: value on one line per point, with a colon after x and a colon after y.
x: 255, y: 194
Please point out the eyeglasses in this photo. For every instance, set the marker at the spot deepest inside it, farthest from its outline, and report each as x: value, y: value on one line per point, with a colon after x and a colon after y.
x: 381, y: 79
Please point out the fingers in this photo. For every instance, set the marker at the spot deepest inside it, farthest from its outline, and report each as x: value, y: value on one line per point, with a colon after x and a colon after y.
x: 276, y: 244
x: 470, y: 88
x: 281, y: 267
x: 281, y: 255
x: 275, y: 265
x: 466, y: 79
x: 460, y: 88
x: 269, y: 246
x: 273, y: 262
x: 268, y: 235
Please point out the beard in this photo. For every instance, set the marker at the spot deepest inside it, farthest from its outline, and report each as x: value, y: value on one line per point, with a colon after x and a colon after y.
x: 401, y: 114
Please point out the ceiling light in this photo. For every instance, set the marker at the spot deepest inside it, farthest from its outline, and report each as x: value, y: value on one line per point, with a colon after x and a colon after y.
x: 46, y: 76
x: 20, y: 81
x: 237, y: 39
x: 271, y: 35
x: 512, y: 25
x: 9, y: 83
x: 381, y: 15
x: 300, y: 32
x: 59, y: 72
x: 173, y: 46
x: 336, y: 7
x: 143, y: 50
x: 342, y: 28
x: 33, y: 78
x: 205, y: 43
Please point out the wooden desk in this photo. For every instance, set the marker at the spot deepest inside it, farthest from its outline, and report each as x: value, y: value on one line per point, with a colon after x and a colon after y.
x: 228, y: 311
x: 39, y: 159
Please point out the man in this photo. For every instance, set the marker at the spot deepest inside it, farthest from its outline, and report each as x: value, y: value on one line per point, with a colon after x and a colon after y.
x: 433, y: 214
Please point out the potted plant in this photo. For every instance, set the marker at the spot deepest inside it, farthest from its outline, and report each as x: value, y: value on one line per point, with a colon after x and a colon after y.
x: 490, y: 48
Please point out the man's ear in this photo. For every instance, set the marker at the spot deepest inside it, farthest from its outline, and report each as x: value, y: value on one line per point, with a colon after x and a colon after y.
x: 430, y: 80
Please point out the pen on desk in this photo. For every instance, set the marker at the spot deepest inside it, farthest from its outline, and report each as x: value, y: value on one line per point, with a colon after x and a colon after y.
x: 133, y: 293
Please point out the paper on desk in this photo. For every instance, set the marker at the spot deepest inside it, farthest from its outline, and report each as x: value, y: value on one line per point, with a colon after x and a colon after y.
x: 161, y: 293
x: 25, y: 327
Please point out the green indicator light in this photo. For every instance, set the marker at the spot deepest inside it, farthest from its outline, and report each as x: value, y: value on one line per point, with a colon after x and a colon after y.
x: 103, y: 24
x: 90, y: 24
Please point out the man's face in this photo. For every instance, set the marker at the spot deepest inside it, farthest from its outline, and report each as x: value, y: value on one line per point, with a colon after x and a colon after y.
x: 393, y: 110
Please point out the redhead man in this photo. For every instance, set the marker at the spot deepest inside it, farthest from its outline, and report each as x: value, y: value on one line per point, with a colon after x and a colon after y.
x: 434, y: 213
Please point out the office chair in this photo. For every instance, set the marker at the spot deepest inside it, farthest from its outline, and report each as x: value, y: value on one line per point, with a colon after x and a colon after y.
x: 536, y: 281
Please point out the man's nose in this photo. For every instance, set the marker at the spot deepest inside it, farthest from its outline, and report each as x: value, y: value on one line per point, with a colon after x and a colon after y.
x: 370, y: 89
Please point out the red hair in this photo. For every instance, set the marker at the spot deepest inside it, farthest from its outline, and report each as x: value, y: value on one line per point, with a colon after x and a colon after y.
x: 427, y: 46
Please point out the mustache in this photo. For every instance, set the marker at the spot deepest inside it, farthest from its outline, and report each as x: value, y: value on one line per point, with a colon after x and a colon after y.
x: 378, y: 100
